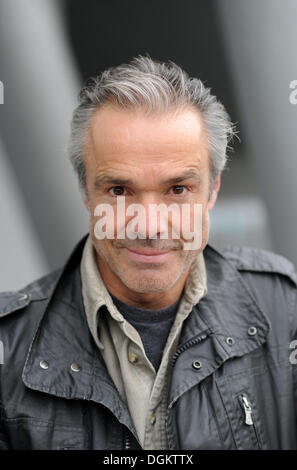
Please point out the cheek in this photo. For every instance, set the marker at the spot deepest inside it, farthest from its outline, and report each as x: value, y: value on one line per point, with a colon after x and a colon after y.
x: 205, y: 224
x: 194, y: 217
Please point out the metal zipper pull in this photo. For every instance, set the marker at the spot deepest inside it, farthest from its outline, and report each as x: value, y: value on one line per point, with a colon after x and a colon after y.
x: 247, y: 411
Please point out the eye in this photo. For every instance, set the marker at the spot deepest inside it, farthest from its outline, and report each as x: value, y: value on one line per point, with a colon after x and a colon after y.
x: 117, y: 190
x: 179, y: 189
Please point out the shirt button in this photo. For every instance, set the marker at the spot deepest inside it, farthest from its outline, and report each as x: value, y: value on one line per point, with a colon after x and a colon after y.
x: 75, y: 367
x: 132, y: 358
x: 43, y: 364
x: 153, y: 418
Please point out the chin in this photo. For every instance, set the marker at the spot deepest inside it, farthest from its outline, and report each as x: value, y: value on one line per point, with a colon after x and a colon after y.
x: 149, y: 284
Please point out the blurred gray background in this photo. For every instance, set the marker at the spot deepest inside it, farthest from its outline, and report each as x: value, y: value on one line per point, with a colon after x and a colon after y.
x: 244, y: 50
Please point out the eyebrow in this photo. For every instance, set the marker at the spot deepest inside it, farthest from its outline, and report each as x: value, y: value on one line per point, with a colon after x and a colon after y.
x: 184, y: 176
x: 102, y: 179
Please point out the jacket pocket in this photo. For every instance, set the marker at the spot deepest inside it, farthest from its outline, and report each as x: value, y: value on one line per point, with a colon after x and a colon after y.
x: 27, y: 433
x: 248, y: 422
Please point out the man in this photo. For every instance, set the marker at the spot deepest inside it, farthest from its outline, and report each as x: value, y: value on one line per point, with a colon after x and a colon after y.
x: 144, y: 340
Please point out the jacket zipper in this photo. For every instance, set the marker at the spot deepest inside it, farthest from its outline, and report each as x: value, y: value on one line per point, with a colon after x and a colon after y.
x: 127, y: 440
x: 248, y: 414
x: 247, y: 410
x: 196, y: 340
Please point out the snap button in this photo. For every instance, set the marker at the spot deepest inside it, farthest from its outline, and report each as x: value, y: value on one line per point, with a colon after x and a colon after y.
x: 43, y: 364
x: 252, y: 331
x: 153, y: 418
x: 75, y: 367
x: 196, y: 364
x: 23, y: 297
x: 230, y: 341
x: 132, y: 358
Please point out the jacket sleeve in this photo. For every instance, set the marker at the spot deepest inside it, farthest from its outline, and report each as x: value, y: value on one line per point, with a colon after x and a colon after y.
x: 293, y: 351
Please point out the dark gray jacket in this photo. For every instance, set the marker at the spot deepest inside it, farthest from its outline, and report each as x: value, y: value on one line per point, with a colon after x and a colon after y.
x: 233, y: 383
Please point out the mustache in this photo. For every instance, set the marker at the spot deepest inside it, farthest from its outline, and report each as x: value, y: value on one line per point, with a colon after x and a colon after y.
x: 156, y: 244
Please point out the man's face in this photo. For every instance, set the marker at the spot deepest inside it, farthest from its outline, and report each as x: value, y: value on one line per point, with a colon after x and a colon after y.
x: 160, y: 159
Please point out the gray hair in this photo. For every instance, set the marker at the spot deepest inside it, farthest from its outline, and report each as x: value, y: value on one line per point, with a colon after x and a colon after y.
x: 153, y: 86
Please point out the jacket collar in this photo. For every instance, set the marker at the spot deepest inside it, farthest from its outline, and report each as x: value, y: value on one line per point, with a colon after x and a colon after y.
x: 222, y: 319
x: 63, y: 337
x: 229, y: 309
x: 63, y: 342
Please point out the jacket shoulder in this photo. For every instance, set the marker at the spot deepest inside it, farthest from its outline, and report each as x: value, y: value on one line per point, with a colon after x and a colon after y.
x: 259, y: 260
x: 40, y: 289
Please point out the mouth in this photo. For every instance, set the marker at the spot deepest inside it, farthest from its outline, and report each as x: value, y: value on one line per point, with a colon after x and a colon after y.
x: 145, y: 255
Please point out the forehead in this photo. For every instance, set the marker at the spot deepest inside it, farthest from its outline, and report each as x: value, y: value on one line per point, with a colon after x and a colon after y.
x: 130, y: 137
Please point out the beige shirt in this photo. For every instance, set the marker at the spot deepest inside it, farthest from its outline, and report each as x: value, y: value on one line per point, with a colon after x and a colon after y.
x: 143, y: 390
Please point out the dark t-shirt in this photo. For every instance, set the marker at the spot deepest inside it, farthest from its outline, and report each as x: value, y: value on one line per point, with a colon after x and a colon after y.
x: 153, y: 326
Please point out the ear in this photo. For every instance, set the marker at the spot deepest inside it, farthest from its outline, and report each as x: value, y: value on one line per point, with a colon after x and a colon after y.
x: 84, y: 197
x: 214, y: 193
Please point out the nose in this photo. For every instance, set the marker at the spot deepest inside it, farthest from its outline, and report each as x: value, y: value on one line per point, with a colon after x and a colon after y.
x: 148, y: 226
x: 152, y: 217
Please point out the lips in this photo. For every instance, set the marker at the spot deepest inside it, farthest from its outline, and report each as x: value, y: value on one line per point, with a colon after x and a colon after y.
x: 146, y: 255
x: 147, y: 251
